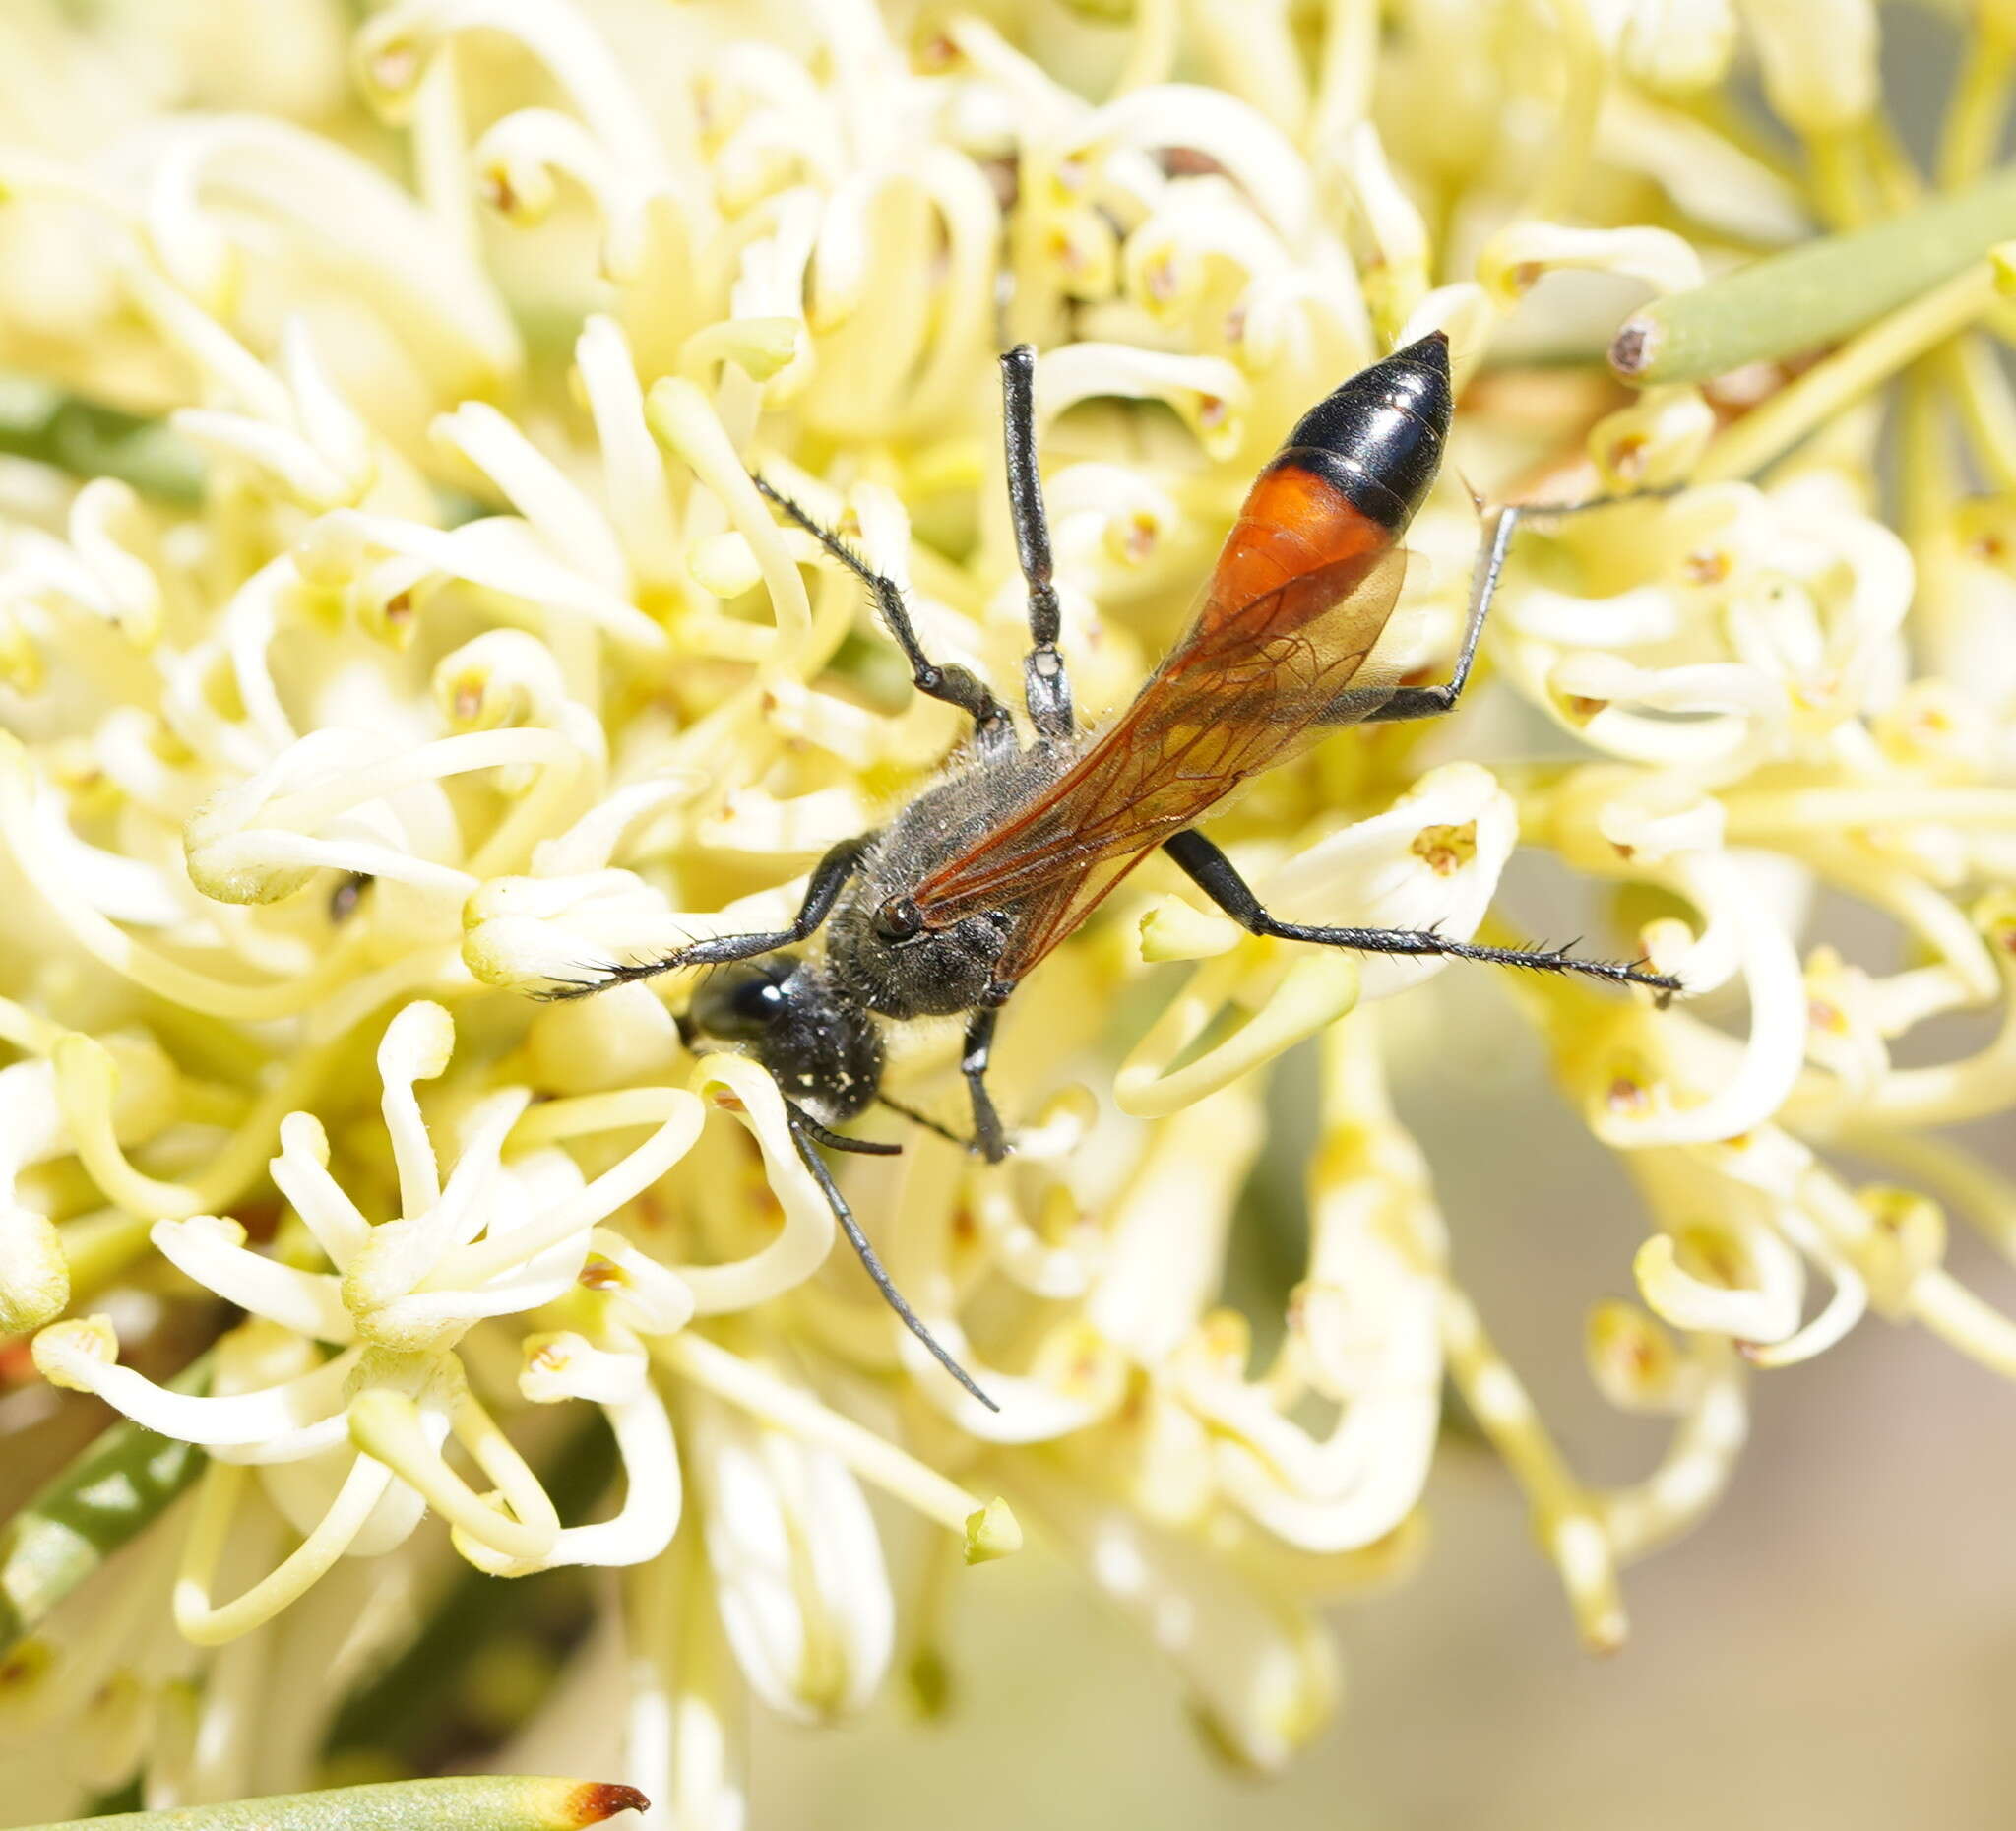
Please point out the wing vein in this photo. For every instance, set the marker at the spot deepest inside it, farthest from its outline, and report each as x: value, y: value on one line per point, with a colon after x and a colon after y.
x: 1239, y: 693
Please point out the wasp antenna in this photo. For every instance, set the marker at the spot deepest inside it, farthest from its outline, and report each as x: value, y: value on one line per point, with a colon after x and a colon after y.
x: 926, y: 1121
x: 871, y: 1263
x: 840, y: 1141
x: 1531, y: 511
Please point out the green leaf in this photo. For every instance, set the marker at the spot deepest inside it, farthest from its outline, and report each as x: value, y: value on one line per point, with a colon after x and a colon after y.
x: 485, y: 1802
x: 80, y: 436
x: 1816, y: 293
x: 117, y: 1485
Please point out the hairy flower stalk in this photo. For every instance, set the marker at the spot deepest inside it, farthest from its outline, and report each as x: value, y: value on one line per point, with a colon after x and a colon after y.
x: 393, y: 635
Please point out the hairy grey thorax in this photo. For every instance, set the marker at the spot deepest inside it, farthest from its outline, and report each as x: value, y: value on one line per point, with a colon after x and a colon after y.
x: 938, y: 972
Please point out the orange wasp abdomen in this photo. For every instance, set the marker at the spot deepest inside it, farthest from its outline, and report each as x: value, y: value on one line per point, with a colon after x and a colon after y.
x: 1297, y: 524
x: 1337, y: 495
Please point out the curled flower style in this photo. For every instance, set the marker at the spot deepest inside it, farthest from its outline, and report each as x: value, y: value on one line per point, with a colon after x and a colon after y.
x: 395, y: 638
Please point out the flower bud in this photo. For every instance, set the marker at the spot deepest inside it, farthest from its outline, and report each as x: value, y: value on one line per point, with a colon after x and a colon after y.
x: 1395, y: 276
x: 565, y: 1365
x: 1210, y: 395
x: 803, y: 1589
x: 1632, y: 1359
x: 417, y: 1045
x: 1675, y: 46
x: 34, y: 1275
x: 1908, y: 1238
x: 622, y: 1035
x: 1652, y: 442
x: 725, y: 564
x: 391, y: 57
x: 648, y: 1297
x: 1522, y: 254
x: 1818, y: 58
x: 65, y: 1351
x: 504, y: 676
x: 545, y: 935
x: 1742, y: 1282
x: 22, y: 668
x: 516, y: 159
x: 1430, y: 862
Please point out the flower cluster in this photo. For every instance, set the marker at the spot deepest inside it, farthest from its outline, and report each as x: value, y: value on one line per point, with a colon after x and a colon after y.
x: 391, y: 633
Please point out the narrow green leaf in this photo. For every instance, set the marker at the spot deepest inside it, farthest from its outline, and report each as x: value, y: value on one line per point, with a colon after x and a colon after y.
x: 119, y: 1483
x: 484, y: 1802
x: 1816, y: 293
x: 45, y: 423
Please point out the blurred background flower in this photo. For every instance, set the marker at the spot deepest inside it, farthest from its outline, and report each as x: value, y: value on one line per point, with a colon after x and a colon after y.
x: 390, y: 632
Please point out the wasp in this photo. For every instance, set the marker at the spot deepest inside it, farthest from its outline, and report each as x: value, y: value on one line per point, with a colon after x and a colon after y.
x: 944, y: 910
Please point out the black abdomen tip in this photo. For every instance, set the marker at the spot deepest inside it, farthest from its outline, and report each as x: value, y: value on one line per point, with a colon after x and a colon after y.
x: 1379, y: 437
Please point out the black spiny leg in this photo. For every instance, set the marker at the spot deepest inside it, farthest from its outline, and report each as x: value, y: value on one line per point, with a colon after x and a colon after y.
x: 1045, y: 687
x: 802, y: 1135
x: 1375, y: 706
x: 989, y: 1138
x: 994, y: 730
x: 1433, y: 701
x: 829, y: 877
x: 1212, y: 873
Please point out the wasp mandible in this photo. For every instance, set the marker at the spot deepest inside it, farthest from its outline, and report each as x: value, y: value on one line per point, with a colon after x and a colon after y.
x: 944, y: 910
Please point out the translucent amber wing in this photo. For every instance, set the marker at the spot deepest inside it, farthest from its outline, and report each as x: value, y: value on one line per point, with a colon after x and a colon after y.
x: 1236, y: 695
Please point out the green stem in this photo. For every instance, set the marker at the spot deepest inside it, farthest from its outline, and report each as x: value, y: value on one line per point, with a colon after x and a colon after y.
x: 122, y: 1483
x: 1972, y: 373
x: 485, y: 1802
x: 1854, y: 370
x: 1979, y: 106
x: 43, y: 422
x: 1816, y: 293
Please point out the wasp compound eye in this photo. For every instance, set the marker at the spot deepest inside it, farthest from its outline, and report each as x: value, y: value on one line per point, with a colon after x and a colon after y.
x: 898, y: 919
x: 739, y: 1003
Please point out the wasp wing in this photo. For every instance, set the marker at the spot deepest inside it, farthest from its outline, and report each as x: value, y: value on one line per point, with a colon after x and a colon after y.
x: 1242, y: 691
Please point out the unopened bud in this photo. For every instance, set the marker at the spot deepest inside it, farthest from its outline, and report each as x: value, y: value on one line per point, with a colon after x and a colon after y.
x: 547, y: 936
x: 34, y: 1276
x: 66, y: 1351
x: 1818, y: 59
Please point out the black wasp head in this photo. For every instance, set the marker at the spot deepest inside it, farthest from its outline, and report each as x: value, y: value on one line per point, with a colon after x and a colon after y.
x: 739, y: 1003
x: 824, y: 1053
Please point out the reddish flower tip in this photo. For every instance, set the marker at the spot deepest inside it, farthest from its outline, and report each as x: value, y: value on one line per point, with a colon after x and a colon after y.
x: 597, y: 1799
